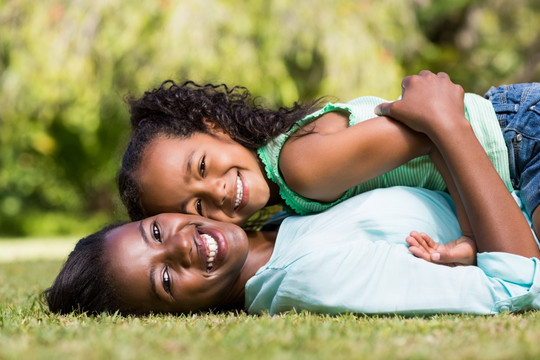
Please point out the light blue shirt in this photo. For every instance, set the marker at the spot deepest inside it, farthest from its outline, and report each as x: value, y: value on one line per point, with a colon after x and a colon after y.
x: 354, y: 258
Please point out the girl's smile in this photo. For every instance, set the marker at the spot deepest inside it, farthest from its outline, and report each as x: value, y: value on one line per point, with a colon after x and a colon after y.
x: 205, y: 174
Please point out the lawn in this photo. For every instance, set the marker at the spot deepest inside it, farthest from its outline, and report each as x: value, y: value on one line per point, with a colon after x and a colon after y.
x: 28, y: 331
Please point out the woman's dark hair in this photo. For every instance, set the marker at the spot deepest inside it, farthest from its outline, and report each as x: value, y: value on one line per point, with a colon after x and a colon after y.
x: 174, y: 110
x: 83, y: 284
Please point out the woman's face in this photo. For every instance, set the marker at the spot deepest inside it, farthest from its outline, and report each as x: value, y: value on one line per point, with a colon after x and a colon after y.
x: 176, y: 263
x: 207, y: 175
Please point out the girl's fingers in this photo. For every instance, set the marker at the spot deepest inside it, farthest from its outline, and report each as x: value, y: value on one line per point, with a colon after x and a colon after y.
x: 423, y: 240
x: 429, y: 241
x: 412, y: 241
x: 420, y: 253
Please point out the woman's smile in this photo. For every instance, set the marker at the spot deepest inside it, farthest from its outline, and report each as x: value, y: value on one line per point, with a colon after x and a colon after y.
x: 212, y: 248
x: 176, y: 262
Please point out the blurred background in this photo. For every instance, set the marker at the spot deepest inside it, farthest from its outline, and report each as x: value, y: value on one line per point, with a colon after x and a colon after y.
x: 66, y: 67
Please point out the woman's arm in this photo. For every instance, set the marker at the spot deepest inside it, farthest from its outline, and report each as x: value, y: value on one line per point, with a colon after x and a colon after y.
x: 433, y: 105
x: 333, y: 157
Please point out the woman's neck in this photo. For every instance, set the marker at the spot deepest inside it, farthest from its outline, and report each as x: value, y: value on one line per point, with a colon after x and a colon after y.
x: 261, y: 246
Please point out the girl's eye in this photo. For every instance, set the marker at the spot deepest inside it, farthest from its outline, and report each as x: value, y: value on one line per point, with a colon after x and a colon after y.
x: 202, y: 167
x: 198, y: 207
x: 166, y: 281
x: 155, y: 232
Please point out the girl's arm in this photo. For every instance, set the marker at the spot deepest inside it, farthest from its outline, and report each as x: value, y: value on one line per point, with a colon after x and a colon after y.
x: 461, y: 251
x: 334, y: 157
x: 433, y: 105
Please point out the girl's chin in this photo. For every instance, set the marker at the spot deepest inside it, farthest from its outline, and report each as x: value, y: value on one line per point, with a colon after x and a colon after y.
x: 246, y: 215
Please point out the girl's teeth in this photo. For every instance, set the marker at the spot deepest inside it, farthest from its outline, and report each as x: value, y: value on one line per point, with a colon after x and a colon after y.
x: 212, y: 247
x: 239, y: 192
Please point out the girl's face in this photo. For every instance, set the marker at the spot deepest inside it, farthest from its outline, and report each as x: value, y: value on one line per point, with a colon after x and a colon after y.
x: 207, y: 175
x: 176, y: 263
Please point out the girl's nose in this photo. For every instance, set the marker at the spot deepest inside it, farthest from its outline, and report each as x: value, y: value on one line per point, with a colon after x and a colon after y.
x: 216, y: 191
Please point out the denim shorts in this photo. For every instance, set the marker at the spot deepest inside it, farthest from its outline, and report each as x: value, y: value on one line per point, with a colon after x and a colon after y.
x: 518, y: 111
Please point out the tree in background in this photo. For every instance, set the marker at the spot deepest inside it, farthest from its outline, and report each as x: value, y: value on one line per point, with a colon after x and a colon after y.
x: 65, y: 67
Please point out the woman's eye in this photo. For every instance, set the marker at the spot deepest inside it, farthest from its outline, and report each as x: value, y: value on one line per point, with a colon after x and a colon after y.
x: 155, y: 232
x: 202, y: 167
x: 198, y: 207
x: 166, y: 281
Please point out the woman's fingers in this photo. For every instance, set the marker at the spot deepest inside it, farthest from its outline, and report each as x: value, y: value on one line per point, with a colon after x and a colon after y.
x: 384, y: 109
x: 443, y: 75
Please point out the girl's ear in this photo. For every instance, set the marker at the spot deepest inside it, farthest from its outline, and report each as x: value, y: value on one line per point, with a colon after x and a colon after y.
x: 213, y: 127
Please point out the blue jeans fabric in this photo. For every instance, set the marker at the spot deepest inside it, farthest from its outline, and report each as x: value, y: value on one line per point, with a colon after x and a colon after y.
x: 518, y: 110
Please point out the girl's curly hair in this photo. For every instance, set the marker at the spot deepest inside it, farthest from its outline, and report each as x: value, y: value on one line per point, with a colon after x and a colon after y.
x: 175, y: 110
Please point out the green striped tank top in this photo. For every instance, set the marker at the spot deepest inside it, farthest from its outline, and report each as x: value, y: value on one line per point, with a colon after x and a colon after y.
x: 419, y: 172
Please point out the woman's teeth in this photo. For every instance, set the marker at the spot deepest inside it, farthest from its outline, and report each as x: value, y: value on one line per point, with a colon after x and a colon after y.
x: 212, y: 247
x: 239, y: 192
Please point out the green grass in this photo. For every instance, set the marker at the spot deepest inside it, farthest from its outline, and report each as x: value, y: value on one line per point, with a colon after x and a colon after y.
x: 28, y: 331
x: 15, y: 249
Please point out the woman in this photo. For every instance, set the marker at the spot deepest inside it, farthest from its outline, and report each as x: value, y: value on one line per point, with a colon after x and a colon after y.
x: 180, y: 263
x: 345, y: 259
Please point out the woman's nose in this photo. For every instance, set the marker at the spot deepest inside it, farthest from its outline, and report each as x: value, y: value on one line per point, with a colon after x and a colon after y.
x: 179, y: 247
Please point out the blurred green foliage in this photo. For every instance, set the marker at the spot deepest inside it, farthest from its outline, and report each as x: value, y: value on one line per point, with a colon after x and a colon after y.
x: 65, y: 67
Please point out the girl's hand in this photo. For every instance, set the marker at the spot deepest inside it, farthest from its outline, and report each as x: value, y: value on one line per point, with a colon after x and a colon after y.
x: 458, y: 252
x: 430, y: 103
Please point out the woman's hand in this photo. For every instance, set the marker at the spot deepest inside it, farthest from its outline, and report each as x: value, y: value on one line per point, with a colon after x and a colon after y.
x: 430, y: 103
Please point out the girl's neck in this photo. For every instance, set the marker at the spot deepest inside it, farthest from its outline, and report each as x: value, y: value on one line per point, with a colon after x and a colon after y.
x: 275, y: 197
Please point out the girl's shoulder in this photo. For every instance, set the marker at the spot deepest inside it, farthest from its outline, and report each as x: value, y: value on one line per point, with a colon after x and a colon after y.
x: 329, y: 123
x: 333, y: 114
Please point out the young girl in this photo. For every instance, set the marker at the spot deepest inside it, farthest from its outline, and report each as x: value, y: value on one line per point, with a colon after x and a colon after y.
x: 215, y: 152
